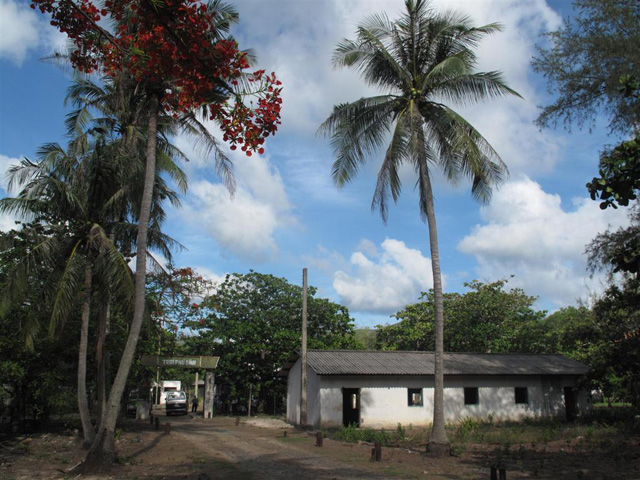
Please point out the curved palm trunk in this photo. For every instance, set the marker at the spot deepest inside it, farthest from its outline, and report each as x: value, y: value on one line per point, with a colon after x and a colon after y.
x: 103, y: 447
x: 101, y: 356
x: 438, y: 444
x: 83, y: 401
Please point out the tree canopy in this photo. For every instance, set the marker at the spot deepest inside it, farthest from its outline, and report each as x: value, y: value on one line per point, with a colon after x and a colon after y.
x: 619, y: 180
x: 487, y: 318
x: 254, y: 323
x: 590, y: 62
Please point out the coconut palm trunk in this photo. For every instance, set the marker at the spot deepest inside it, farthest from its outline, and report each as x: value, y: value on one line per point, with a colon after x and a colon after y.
x: 438, y: 441
x: 101, y: 357
x: 88, y: 431
x: 421, y: 62
x: 103, y: 447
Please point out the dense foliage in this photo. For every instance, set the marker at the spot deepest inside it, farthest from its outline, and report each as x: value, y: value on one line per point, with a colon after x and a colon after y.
x: 619, y: 180
x: 176, y: 47
x: 588, y: 58
x: 485, y: 319
x: 253, y: 323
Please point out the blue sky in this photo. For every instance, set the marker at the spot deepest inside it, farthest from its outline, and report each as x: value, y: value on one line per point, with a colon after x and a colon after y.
x: 287, y: 214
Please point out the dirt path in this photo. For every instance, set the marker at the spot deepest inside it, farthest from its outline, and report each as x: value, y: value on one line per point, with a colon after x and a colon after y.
x: 198, y: 449
x: 262, y: 453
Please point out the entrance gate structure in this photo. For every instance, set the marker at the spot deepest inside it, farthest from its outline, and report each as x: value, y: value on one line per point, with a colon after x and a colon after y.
x: 206, y: 363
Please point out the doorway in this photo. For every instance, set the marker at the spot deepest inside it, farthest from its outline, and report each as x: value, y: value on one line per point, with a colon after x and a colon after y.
x: 570, y: 404
x: 351, y: 406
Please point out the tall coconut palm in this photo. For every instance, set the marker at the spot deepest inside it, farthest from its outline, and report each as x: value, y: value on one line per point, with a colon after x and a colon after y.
x: 86, y: 196
x: 424, y: 62
x: 71, y: 192
x: 118, y: 106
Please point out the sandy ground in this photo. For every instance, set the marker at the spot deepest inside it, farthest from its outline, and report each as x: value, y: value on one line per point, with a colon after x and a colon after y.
x: 201, y: 449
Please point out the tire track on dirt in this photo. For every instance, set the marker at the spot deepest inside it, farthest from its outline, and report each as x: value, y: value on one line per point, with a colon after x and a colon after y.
x: 265, y: 457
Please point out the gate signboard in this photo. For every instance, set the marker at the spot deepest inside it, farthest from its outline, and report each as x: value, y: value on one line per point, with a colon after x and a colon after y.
x: 205, y: 362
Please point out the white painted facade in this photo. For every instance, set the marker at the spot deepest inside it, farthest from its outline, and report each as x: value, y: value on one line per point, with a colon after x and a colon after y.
x: 384, y: 399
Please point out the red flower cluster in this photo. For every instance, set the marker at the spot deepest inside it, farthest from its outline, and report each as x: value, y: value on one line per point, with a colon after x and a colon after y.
x: 174, y: 47
x: 246, y: 127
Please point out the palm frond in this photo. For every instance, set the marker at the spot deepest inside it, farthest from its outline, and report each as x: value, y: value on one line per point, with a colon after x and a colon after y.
x: 357, y: 130
x: 68, y: 289
x: 388, y: 181
x: 472, y: 88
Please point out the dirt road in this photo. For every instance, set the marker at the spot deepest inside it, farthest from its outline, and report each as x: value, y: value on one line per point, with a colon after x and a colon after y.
x: 258, y: 449
x: 246, y: 451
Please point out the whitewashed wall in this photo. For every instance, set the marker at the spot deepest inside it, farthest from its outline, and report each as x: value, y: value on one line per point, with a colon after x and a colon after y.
x: 313, y: 396
x: 384, y: 399
x: 293, y: 394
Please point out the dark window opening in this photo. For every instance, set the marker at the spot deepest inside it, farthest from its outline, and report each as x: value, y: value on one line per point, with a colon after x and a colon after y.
x: 471, y: 396
x: 522, y: 395
x: 415, y: 397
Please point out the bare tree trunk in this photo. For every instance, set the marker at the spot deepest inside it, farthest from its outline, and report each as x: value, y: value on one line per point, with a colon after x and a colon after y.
x: 88, y: 431
x: 438, y: 444
x: 103, y: 447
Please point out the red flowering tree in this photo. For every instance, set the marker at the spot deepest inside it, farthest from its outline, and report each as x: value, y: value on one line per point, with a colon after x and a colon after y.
x: 175, y: 50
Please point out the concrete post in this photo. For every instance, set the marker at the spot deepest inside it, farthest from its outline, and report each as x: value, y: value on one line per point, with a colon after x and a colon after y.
x: 303, y: 383
x: 208, y: 393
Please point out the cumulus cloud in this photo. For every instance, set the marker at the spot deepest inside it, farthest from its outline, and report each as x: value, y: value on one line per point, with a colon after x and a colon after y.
x: 383, y: 280
x: 5, y: 164
x: 311, y: 30
x: 8, y: 222
x: 245, y: 224
x: 210, y: 275
x: 528, y: 232
x: 24, y: 30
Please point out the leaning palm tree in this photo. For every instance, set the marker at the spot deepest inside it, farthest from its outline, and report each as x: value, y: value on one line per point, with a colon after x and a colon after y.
x: 84, y: 196
x: 71, y: 192
x: 423, y: 62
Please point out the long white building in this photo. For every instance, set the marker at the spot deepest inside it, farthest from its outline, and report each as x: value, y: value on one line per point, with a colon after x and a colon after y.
x: 379, y: 389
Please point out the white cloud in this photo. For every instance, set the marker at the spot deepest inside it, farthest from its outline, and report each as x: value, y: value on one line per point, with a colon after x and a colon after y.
x: 5, y: 164
x: 383, y: 281
x: 309, y: 32
x: 24, y: 30
x: 210, y: 275
x: 19, y: 26
x: 8, y: 222
x: 325, y: 260
x: 527, y: 232
x: 245, y: 224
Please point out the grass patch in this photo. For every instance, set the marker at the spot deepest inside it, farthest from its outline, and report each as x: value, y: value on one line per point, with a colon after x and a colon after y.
x: 400, y: 437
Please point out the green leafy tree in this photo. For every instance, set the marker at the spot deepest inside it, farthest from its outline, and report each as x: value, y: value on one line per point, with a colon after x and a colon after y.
x: 423, y: 61
x: 570, y: 331
x: 588, y: 58
x: 72, y: 190
x: 182, y: 59
x: 617, y: 251
x: 617, y: 363
x: 619, y: 180
x: 29, y: 374
x: 485, y: 319
x: 254, y: 323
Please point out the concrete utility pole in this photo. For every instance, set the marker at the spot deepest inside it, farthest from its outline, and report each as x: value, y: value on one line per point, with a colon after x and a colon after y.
x: 196, y: 389
x: 303, y: 382
x: 208, y: 394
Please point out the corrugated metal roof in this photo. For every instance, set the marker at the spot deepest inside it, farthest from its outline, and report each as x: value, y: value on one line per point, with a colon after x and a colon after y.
x: 359, y: 362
